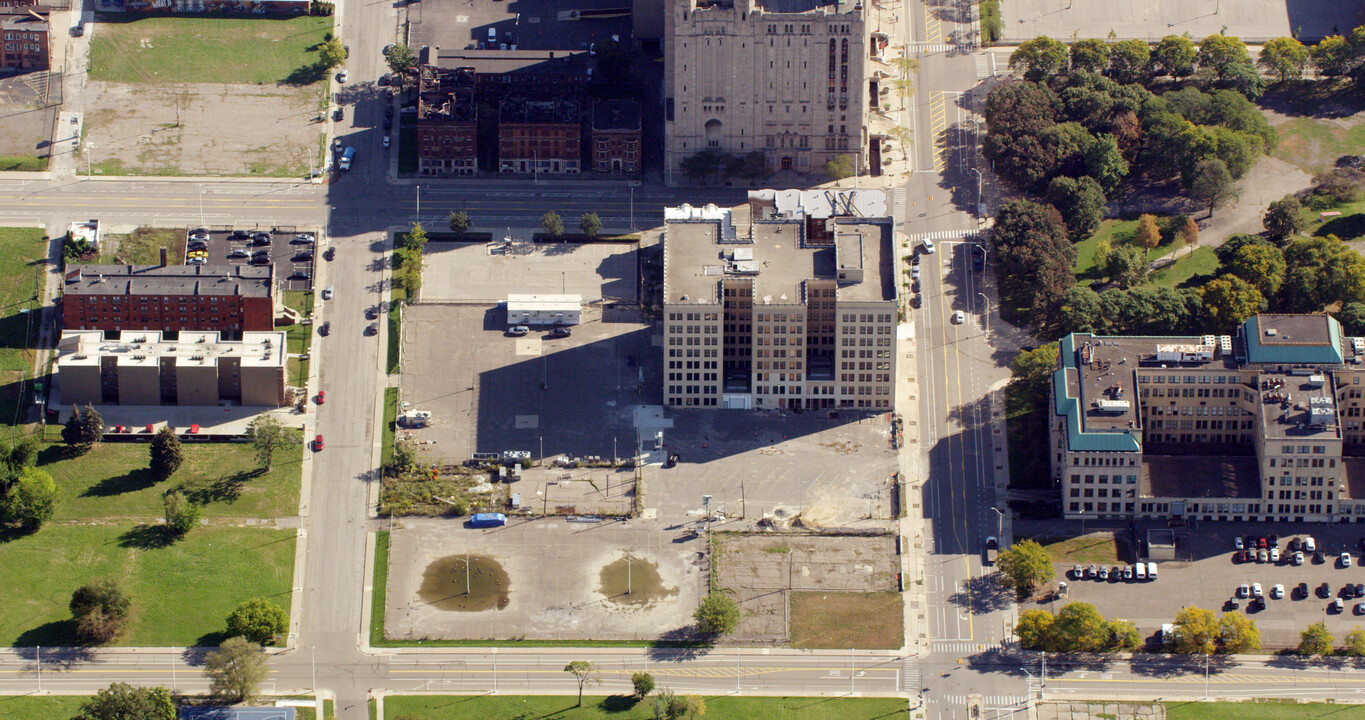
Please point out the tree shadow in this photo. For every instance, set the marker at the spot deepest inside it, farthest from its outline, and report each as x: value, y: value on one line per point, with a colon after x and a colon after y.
x: 679, y: 644
x: 984, y: 594
x: 225, y: 489
x: 211, y: 639
x: 306, y: 75
x: 131, y: 481
x: 57, y: 453
x: 1346, y: 228
x: 58, y: 633
x: 618, y: 703
x: 147, y: 537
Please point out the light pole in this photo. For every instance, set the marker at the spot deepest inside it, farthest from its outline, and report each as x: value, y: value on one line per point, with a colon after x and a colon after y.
x: 999, y: 520
x: 1206, y: 676
x: 89, y: 164
x: 978, y: 195
x: 201, y: 205
x: 987, y: 326
x: 632, y: 208
x: 419, y: 203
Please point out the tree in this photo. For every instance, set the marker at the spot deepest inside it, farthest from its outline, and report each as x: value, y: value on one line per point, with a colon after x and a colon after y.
x: 584, y: 672
x: 643, y: 683
x: 1091, y: 55
x: 1316, y: 640
x: 258, y: 620
x: 1034, y: 629
x: 32, y: 499
x: 411, y: 281
x: 1080, y: 202
x: 1196, y: 632
x: 702, y: 165
x: 1283, y: 56
x: 1189, y: 233
x: 1148, y: 235
x: 404, y: 456
x: 1125, y: 636
x: 166, y: 453
x: 1354, y: 641
x: 1239, y: 633
x: 590, y: 224
x: 1220, y: 54
x: 1129, y: 61
x: 268, y: 436
x: 414, y: 241
x: 1283, y: 218
x: 459, y: 223
x: 1212, y: 183
x: 552, y: 224
x: 696, y: 707
x: 122, y: 701
x: 1027, y: 564
x: 839, y: 167
x: 331, y: 54
x: 84, y: 429
x: 99, y: 609
x: 1039, y: 58
x: 1262, y: 266
x: 1352, y: 319
x: 1332, y: 56
x: 717, y: 614
x: 1174, y: 56
x: 1034, y: 265
x: 1230, y: 300
x: 181, y: 514
x: 401, y: 60
x: 236, y: 668
x: 1079, y: 627
x: 15, y: 456
x: 1321, y: 271
x: 668, y: 706
x: 1126, y: 266
x: 1104, y: 162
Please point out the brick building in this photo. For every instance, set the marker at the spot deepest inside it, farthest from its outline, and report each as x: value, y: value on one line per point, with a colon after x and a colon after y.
x: 25, y: 32
x: 447, y: 122
x: 780, y: 304
x: 231, y: 299
x: 540, y: 136
x: 616, y: 137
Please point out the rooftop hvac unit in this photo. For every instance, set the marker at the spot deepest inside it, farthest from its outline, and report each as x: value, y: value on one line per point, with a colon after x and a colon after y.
x: 1209, y: 339
x: 1225, y: 343
x: 1358, y: 344
x: 1117, y: 407
x: 1316, y: 381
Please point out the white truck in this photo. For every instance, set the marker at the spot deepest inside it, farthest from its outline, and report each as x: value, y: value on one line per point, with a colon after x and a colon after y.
x: 346, y: 158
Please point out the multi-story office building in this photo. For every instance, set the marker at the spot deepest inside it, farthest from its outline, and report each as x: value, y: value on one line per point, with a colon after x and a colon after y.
x: 1262, y: 425
x: 783, y: 77
x: 780, y: 304
x: 143, y: 367
x: 231, y: 299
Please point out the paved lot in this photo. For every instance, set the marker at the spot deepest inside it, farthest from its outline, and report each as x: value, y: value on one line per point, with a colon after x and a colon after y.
x: 202, y: 129
x: 490, y: 392
x: 25, y: 116
x: 828, y: 472
x: 293, y: 259
x: 1252, y: 20
x: 487, y: 272
x: 554, y: 585
x: 1206, y: 576
x: 529, y: 24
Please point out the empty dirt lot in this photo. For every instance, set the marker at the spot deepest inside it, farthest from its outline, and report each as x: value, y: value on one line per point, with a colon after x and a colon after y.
x: 812, y: 590
x: 26, y: 116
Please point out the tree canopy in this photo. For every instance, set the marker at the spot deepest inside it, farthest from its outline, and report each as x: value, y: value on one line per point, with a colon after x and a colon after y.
x: 258, y: 620
x: 122, y: 701
x: 717, y: 614
x: 1026, y: 564
x: 236, y: 669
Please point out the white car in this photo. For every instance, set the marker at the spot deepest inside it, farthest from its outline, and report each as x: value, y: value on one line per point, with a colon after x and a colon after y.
x: 1308, y: 544
x: 1346, y: 560
x: 1274, y: 555
x: 341, y: 76
x: 929, y: 247
x: 1243, y: 590
x: 1237, y: 543
x: 1298, y: 558
x: 959, y: 317
x: 327, y: 293
x: 1256, y: 590
x: 1277, y: 592
x: 386, y: 141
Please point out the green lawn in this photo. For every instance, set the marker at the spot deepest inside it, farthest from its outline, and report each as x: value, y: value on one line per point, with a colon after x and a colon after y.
x: 618, y: 707
x: 143, y: 247
x: 1313, y: 144
x: 1203, y: 261
x: 188, y: 49
x: 299, y: 336
x: 1096, y: 547
x: 27, y: 707
x: 1270, y: 710
x: 407, y: 145
x: 181, y: 592
x: 1117, y: 233
x: 22, y: 163
x: 112, y: 481
x: 379, y: 597
x: 397, y: 296
x: 390, y: 424
x: 1349, y: 226
x: 20, y: 252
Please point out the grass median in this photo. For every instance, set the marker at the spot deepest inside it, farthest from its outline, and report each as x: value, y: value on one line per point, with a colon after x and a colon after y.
x: 21, y: 250
x: 1263, y: 710
x: 622, y: 707
x: 182, y: 592
x: 299, y: 337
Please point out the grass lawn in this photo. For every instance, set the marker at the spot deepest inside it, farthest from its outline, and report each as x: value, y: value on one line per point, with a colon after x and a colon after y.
x: 27, y: 707
x: 381, y: 588
x: 22, y: 163
x: 1202, y: 261
x: 20, y: 252
x: 1117, y: 233
x: 181, y: 592
x: 1268, y: 710
x: 189, y: 49
x: 298, y: 336
x: 397, y: 296
x: 1349, y: 226
x: 620, y: 707
x: 1313, y: 144
x: 390, y: 424
x: 841, y: 620
x: 1096, y: 547
x: 112, y: 481
x: 142, y: 247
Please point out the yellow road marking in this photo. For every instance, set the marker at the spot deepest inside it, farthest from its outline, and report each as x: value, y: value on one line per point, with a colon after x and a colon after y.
x: 938, y: 120
x: 933, y: 27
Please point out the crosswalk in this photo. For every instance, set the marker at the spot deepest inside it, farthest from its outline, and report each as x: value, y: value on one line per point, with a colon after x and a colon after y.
x: 909, y: 676
x: 990, y: 701
x: 898, y: 200
x: 963, y: 646
x: 938, y: 235
x: 924, y: 48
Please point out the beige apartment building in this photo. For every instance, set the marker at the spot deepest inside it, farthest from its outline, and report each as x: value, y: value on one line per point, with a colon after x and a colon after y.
x: 784, y: 77
x: 780, y: 304
x: 1262, y: 425
x: 144, y: 367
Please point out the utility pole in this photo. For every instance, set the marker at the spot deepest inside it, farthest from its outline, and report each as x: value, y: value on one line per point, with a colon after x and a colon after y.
x: 419, y: 203
x: 999, y: 516
x: 40, y: 668
x: 202, y: 222
x: 315, y: 668
x: 978, y: 195
x: 988, y: 326
x: 632, y: 208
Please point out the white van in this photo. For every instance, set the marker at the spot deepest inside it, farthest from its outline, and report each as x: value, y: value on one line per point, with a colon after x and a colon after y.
x: 1151, y: 570
x: 1139, y: 571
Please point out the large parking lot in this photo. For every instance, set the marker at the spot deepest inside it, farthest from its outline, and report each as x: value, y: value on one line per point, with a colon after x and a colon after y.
x: 1207, y: 574
x: 487, y: 272
x: 292, y: 255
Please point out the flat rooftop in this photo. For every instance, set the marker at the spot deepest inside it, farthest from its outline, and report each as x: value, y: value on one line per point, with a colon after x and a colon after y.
x: 819, y: 203
x: 1290, y: 403
x: 690, y: 249
x: 1199, y: 476
x: 236, y: 280
x: 1355, y: 477
x: 615, y: 115
x: 1102, y: 383
x: 137, y: 347
x: 515, y: 62
x: 872, y: 242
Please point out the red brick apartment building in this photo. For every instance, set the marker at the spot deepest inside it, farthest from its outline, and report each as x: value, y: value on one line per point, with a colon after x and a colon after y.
x: 447, y: 122
x: 616, y: 137
x: 24, y: 31
x: 540, y: 136
x: 231, y: 299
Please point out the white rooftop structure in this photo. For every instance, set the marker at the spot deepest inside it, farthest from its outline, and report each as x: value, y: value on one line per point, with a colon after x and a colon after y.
x: 88, y: 231
x: 685, y: 212
x: 796, y: 204
x: 544, y: 309
x: 138, y: 347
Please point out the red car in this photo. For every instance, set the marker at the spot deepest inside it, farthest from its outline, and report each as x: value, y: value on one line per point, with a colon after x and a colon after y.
x: 322, y: 396
x: 317, y: 444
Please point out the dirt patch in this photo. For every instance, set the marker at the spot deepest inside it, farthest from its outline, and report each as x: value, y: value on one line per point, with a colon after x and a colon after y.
x: 1096, y: 547
x: 632, y: 581
x: 765, y: 571
x: 847, y: 620
x: 139, y: 129
x: 465, y: 583
x: 28, y: 106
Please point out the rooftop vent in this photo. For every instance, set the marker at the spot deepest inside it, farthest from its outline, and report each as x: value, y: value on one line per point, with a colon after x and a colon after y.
x: 1271, y: 332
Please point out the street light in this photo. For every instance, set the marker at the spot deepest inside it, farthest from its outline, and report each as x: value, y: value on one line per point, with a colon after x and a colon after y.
x: 999, y: 520
x: 987, y: 324
x: 978, y: 194
x: 419, y: 204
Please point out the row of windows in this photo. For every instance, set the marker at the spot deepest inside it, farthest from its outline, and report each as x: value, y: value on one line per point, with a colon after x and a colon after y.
x: 694, y: 316
x: 1103, y: 492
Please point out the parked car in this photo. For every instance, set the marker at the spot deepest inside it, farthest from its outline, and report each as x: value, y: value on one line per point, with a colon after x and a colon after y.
x: 1298, y: 558
x: 325, y: 328
x: 1344, y: 559
x: 341, y: 76
x: 1294, y: 544
x: 1338, y: 605
x: 1091, y: 572
x: 1277, y: 592
x: 560, y: 331
x: 260, y: 238
x: 322, y: 397
x: 339, y: 114
x: 373, y: 329
x: 1256, y: 590
x: 1237, y: 543
x: 1077, y: 572
x: 327, y: 293
x: 317, y: 444
x: 518, y: 330
x: 1104, y: 572
x: 1262, y: 556
x: 330, y: 254
x: 388, y: 123
x: 306, y: 256
x: 1244, y: 590
x: 386, y: 141
x: 78, y: 30
x: 1309, y: 545
x: 239, y: 235
x: 1301, y: 591
x: 303, y: 239
x: 1325, y: 590
x: 238, y: 253
x: 1274, y: 554
x: 959, y: 317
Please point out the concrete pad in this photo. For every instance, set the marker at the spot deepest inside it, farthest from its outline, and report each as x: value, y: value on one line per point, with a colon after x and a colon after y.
x: 1252, y: 20
x: 485, y: 273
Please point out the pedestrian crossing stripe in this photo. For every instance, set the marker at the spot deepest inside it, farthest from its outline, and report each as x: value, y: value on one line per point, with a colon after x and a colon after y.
x: 982, y: 66
x: 943, y: 235
x: 972, y: 647
x: 935, y: 48
x: 988, y: 700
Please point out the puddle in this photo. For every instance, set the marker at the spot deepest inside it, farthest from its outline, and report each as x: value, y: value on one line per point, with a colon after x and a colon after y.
x: 639, y: 577
x: 448, y: 586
